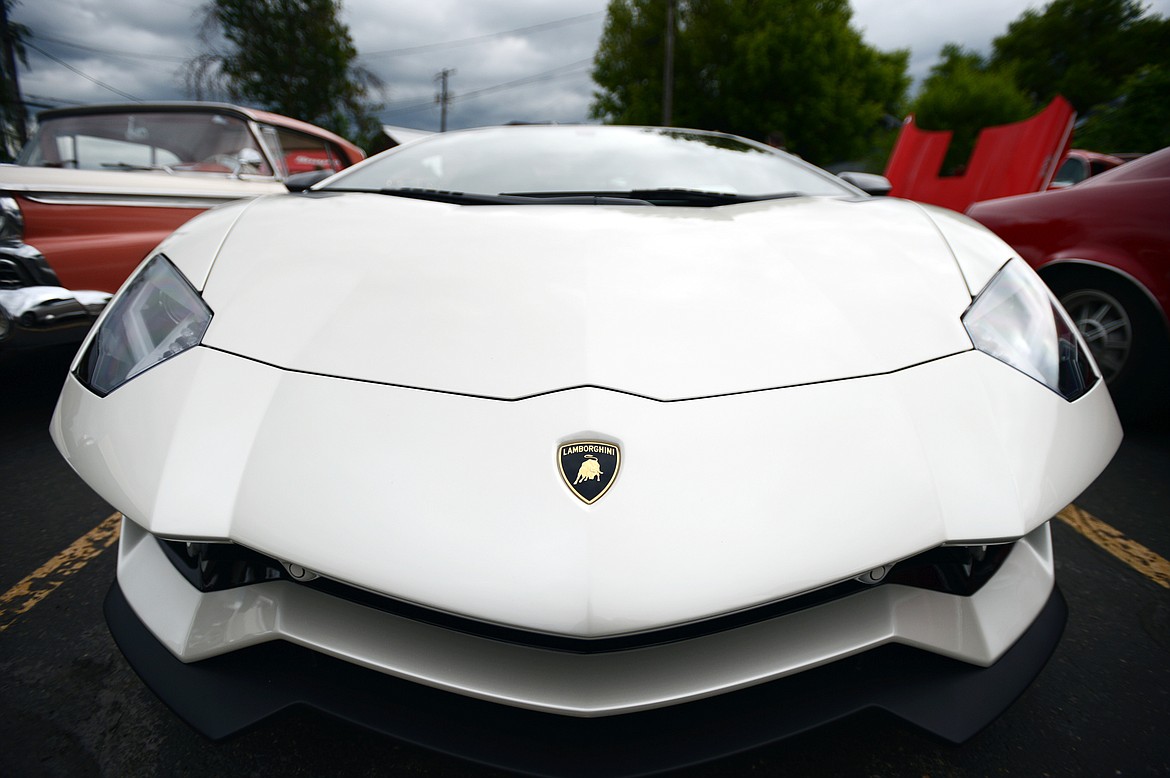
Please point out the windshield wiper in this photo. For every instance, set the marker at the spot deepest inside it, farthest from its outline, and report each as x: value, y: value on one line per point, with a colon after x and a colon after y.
x: 691, y: 197
x: 472, y: 198
x: 696, y: 197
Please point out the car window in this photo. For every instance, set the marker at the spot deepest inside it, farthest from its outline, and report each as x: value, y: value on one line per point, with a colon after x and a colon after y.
x: 1099, y: 166
x: 90, y: 151
x: 589, y: 159
x: 1071, y: 172
x: 298, y: 152
x: 1155, y: 165
x: 182, y: 141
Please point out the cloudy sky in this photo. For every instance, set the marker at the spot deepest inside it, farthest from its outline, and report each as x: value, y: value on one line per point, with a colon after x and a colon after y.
x: 514, y: 60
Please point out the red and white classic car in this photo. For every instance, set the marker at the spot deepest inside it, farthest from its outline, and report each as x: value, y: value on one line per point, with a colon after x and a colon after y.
x: 99, y: 186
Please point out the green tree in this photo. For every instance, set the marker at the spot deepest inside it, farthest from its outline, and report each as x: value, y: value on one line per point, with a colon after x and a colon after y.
x: 629, y: 63
x: 963, y: 94
x: 1137, y: 121
x: 13, y: 118
x: 752, y: 67
x: 293, y: 57
x: 1081, y: 49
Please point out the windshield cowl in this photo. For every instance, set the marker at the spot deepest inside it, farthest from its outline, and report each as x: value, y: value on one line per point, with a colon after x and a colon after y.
x: 638, y: 197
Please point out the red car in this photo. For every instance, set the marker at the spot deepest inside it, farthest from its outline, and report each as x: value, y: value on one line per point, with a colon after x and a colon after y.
x: 1103, y: 246
x: 99, y: 186
x: 1080, y: 164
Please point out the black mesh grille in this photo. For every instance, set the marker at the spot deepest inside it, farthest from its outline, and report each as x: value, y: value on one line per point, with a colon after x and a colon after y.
x: 22, y: 265
x: 958, y: 570
x: 12, y: 275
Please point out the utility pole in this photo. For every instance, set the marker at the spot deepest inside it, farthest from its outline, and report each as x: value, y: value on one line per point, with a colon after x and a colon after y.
x: 668, y: 67
x: 12, y: 97
x: 443, y: 97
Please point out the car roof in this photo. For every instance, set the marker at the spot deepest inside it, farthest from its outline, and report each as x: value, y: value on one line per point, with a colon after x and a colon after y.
x: 188, y: 106
x: 1154, y: 165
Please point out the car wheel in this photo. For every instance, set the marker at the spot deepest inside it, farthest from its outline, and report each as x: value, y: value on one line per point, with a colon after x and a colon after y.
x: 1105, y: 325
x: 1126, y: 336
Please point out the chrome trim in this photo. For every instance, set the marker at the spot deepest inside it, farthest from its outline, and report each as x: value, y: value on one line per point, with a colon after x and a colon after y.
x: 1117, y: 271
x: 161, y: 200
x: 11, y: 219
x: 1052, y: 164
x: 262, y: 138
x: 46, y: 315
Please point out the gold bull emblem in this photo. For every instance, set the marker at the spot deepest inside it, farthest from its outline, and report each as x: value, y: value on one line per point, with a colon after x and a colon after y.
x: 590, y: 470
x: 586, y: 458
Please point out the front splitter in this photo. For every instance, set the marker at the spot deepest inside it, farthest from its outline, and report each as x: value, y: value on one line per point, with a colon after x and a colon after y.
x: 227, y: 694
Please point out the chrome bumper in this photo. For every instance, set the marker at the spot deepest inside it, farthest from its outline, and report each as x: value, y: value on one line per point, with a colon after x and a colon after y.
x: 38, y: 316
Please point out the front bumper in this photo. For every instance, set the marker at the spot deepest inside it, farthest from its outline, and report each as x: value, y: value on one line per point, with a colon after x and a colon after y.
x: 41, y: 316
x: 199, y: 626
x: 226, y: 694
x: 35, y: 311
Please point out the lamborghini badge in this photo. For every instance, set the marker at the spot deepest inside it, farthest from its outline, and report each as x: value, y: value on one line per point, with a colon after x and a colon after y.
x: 588, y: 467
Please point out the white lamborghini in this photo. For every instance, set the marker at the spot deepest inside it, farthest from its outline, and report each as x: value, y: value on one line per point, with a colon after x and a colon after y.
x: 585, y: 450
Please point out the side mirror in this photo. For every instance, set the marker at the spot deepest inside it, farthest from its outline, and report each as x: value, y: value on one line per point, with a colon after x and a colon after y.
x: 248, y: 160
x: 870, y: 183
x: 300, y: 182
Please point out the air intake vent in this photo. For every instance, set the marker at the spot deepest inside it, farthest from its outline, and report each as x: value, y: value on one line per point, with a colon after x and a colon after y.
x: 12, y: 276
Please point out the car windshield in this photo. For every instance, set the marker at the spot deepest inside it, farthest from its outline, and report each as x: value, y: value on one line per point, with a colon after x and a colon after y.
x: 175, y: 141
x: 618, y: 161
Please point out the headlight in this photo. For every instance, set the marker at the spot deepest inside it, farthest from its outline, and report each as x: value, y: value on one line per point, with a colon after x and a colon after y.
x: 157, y: 315
x: 1017, y: 320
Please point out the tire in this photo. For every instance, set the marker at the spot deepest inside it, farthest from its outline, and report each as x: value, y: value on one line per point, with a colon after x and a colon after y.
x: 1127, y: 336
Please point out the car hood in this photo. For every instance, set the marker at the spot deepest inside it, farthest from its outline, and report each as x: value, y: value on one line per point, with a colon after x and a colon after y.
x: 515, y: 301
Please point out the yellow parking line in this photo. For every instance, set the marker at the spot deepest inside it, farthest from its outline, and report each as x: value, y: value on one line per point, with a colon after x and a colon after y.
x: 1134, y: 554
x: 36, y: 587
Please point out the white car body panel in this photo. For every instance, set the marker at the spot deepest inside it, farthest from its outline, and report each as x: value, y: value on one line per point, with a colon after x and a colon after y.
x: 154, y: 188
x: 979, y: 251
x: 197, y: 626
x: 721, y: 504
x: 528, y: 300
x: 356, y: 442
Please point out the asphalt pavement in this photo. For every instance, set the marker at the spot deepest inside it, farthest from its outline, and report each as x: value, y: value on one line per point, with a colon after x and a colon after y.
x: 70, y: 705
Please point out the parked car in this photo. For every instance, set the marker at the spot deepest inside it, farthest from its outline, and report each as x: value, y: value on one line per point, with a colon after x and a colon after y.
x: 585, y: 451
x: 99, y: 186
x: 1079, y: 164
x: 1007, y: 159
x: 1103, y: 246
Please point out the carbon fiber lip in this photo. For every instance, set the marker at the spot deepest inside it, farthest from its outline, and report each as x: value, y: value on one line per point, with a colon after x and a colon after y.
x: 228, y: 694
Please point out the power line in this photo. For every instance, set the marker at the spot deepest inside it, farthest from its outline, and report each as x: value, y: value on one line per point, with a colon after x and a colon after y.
x: 481, y: 38
x: 555, y: 73
x: 385, y: 53
x: 41, y: 101
x: 122, y: 54
x: 86, y: 76
x: 564, y: 70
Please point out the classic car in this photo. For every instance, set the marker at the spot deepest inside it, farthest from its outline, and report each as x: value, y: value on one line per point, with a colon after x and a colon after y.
x: 1103, y: 246
x: 99, y: 186
x: 1007, y: 159
x: 1079, y: 164
x: 589, y: 451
